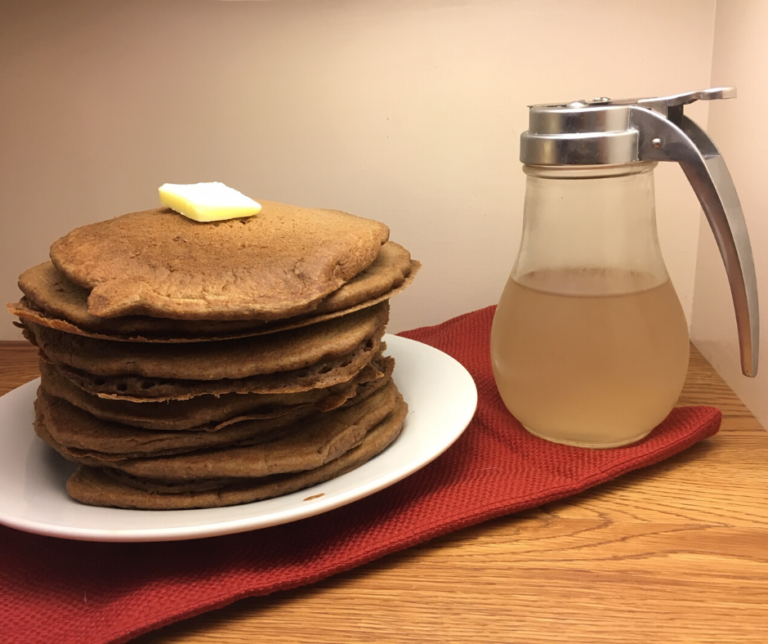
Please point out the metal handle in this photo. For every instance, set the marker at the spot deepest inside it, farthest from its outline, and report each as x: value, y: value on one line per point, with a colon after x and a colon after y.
x: 686, y: 143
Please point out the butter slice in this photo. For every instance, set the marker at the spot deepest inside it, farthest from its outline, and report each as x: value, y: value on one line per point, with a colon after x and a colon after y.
x: 207, y: 201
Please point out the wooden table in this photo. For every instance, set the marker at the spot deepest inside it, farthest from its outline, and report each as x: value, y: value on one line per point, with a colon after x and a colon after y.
x: 675, y: 552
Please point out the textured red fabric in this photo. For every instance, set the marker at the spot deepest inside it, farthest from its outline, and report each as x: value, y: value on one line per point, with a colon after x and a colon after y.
x: 54, y: 590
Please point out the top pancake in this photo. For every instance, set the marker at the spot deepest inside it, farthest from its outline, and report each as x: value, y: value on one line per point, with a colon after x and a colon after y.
x: 277, y: 264
x: 52, y: 300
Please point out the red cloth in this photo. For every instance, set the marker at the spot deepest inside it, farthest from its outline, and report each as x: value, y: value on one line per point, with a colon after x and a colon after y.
x: 54, y: 590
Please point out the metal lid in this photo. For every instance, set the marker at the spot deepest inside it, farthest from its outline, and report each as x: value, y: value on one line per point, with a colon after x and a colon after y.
x: 600, y: 131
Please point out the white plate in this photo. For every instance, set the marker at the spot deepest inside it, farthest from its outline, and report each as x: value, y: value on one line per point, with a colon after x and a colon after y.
x: 441, y: 396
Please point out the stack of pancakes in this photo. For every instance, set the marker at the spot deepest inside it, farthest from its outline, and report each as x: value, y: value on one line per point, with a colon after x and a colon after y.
x: 188, y: 365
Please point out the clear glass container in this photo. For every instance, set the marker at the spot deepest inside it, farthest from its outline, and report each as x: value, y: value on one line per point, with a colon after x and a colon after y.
x: 589, y: 343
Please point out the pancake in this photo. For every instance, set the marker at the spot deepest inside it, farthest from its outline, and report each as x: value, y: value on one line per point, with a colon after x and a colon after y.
x: 332, y: 372
x: 319, y: 440
x: 227, y: 359
x: 51, y: 300
x: 94, y: 486
x: 78, y: 436
x: 277, y: 264
x: 209, y: 413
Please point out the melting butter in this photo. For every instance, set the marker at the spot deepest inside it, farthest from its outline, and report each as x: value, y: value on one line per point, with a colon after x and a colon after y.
x: 207, y: 201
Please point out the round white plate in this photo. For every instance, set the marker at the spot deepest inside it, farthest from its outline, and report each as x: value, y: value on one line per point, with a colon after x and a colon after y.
x: 441, y: 396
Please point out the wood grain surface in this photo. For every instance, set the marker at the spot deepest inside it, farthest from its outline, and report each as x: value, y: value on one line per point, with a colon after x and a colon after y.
x: 677, y: 552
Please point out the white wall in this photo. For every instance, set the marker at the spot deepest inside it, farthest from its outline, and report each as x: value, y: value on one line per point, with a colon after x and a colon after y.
x: 737, y: 127
x: 405, y: 111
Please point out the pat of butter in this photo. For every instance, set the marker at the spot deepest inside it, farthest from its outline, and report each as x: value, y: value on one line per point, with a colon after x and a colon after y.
x: 207, y: 201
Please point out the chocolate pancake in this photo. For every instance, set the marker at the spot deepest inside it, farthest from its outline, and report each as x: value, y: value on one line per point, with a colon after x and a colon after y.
x: 277, y: 264
x: 203, y: 412
x: 51, y: 300
x: 333, y: 372
x: 319, y: 440
x: 81, y: 437
x: 95, y: 486
x: 231, y: 359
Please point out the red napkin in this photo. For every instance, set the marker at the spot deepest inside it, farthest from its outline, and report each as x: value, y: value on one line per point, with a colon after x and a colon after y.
x: 53, y: 590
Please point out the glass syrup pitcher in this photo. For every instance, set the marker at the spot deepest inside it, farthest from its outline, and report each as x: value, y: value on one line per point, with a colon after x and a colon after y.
x: 589, y: 344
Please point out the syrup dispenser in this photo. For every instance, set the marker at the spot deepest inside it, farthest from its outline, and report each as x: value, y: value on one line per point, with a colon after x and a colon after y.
x: 589, y: 344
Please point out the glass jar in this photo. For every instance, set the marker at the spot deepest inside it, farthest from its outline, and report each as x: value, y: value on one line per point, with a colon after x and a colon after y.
x: 589, y: 344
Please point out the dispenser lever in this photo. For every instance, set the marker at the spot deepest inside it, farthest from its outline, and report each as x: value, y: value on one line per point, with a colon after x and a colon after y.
x: 661, y: 139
